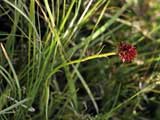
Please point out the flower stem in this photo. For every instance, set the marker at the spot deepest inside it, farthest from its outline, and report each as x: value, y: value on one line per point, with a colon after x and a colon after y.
x: 90, y: 58
x: 81, y: 60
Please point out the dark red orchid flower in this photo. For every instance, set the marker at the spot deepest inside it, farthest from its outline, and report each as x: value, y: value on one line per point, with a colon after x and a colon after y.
x: 126, y: 52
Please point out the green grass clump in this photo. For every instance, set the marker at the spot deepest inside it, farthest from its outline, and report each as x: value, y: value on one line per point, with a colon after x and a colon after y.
x: 58, y: 60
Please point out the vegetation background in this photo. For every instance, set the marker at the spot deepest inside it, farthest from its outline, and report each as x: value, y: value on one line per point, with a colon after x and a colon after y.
x: 58, y: 60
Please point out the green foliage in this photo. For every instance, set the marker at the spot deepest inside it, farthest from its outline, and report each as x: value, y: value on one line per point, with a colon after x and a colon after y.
x: 58, y: 60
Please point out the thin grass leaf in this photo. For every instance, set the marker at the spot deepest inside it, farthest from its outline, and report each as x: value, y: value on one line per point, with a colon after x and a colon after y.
x: 12, y: 69
x: 8, y: 109
x: 87, y: 89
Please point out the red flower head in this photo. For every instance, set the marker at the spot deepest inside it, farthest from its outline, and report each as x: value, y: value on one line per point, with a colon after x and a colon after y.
x: 126, y: 52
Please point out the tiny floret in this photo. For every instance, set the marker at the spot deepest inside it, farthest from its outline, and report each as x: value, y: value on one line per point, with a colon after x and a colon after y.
x: 126, y: 52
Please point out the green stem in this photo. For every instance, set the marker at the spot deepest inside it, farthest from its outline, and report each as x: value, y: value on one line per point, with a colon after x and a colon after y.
x: 81, y: 60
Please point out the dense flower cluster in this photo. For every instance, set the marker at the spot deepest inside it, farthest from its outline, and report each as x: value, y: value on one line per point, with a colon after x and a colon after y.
x: 126, y: 52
